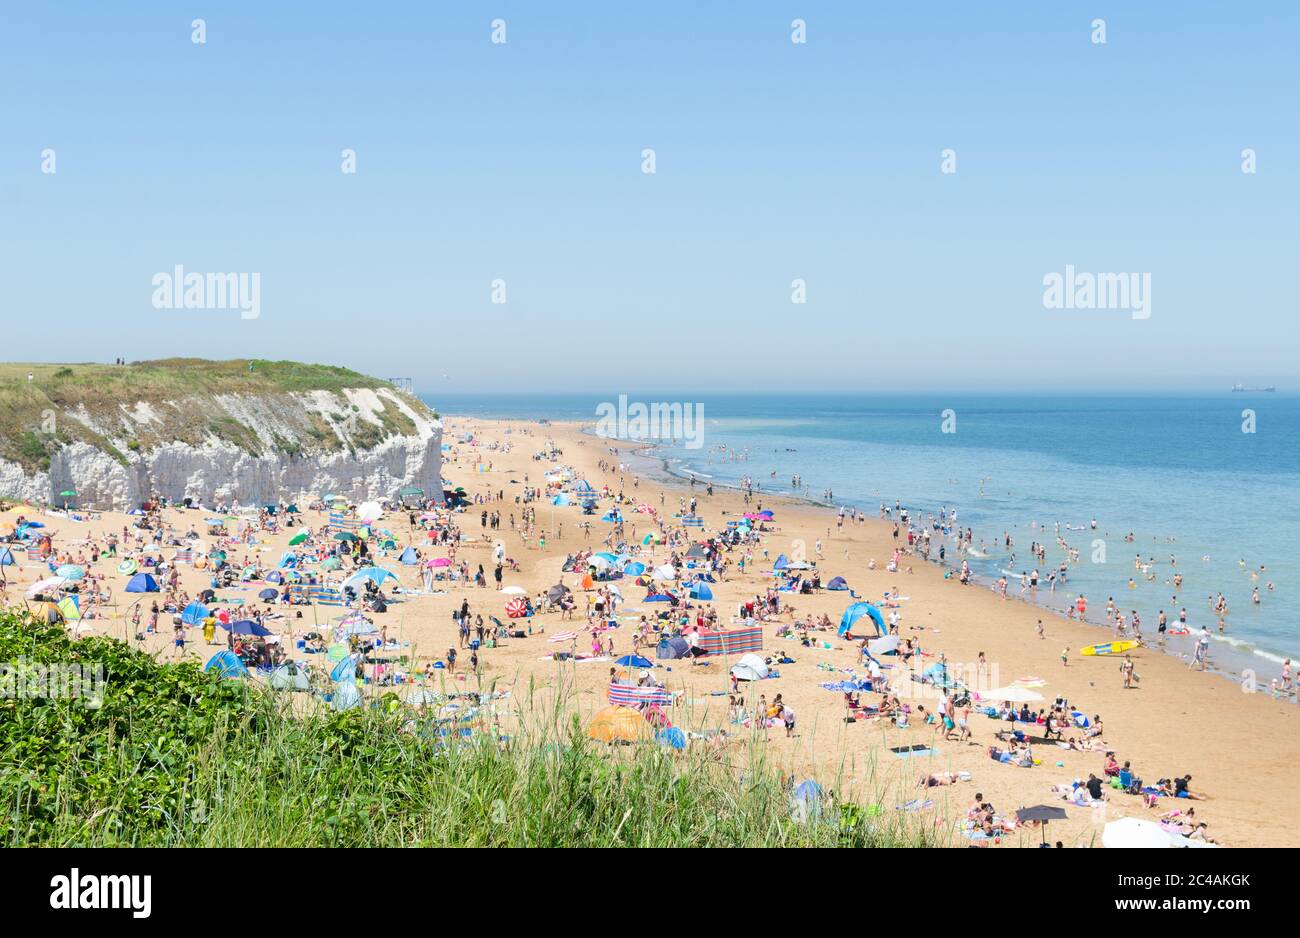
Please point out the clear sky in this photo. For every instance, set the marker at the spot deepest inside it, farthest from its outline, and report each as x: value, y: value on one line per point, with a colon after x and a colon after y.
x: 775, y: 161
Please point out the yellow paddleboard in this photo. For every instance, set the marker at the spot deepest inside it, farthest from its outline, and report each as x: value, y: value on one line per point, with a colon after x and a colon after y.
x: 1108, y: 648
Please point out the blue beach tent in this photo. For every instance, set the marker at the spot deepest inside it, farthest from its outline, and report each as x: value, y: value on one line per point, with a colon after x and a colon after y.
x: 856, y: 612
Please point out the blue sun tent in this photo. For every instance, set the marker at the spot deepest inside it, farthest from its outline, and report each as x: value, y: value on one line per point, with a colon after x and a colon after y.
x: 781, y: 562
x: 409, y: 557
x: 227, y: 664
x: 672, y: 648
x: 142, y: 583
x: 837, y: 583
x: 6, y: 557
x: 856, y: 612
x: 701, y: 591
x: 194, y: 613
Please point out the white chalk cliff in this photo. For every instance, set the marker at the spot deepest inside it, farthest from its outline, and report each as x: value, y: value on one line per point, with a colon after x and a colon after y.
x: 362, y: 443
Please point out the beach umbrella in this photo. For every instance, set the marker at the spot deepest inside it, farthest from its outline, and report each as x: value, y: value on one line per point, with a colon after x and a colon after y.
x: 370, y: 511
x: 268, y: 594
x: 1012, y: 693
x: 331, y: 563
x: 440, y: 562
x: 1043, y: 813
x: 616, y: 724
x: 71, y: 572
x: 275, y: 576
x: 599, y: 562
x: 127, y: 567
x: 664, y: 573
x: 557, y: 592
x: 634, y: 661
x: 1135, y: 832
x: 515, y: 591
x: 298, y: 538
x: 194, y: 613
x: 652, y: 538
x: 345, y: 536
x: 246, y: 627
x: 358, y: 626
x: 516, y: 609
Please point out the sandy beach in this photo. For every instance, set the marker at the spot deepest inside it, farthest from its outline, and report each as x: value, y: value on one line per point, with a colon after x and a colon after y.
x: 1236, y: 745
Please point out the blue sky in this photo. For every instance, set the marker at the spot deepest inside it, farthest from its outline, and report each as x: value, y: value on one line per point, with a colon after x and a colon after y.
x: 775, y: 161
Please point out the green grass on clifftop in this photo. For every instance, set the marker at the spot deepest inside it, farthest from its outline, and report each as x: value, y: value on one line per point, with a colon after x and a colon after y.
x: 98, y: 391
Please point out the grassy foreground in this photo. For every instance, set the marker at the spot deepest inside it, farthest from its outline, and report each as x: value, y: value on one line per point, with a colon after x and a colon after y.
x: 174, y: 757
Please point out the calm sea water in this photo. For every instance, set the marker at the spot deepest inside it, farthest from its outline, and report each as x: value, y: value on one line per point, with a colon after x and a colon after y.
x: 1178, y: 473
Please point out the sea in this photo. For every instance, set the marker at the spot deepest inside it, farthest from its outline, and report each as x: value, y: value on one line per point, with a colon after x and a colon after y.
x: 1203, y: 484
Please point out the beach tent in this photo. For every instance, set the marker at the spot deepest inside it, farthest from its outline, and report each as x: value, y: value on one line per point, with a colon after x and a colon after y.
x: 856, y: 612
x: 6, y: 557
x: 346, y: 697
x: 616, y: 724
x: 701, y: 591
x: 226, y: 664
x: 672, y: 648
x: 142, y: 583
x: 289, y: 677
x: 671, y: 737
x: 561, y: 500
x: 750, y: 668
x: 781, y: 562
x: 837, y: 583
x: 47, y: 612
x: 409, y: 557
x: 346, y: 669
x: 806, y: 800
x: 635, y: 568
x: 70, y: 608
x: 194, y: 613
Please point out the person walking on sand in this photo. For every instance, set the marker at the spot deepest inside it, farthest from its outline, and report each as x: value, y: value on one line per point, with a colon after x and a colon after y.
x: 1065, y: 657
x: 1126, y: 668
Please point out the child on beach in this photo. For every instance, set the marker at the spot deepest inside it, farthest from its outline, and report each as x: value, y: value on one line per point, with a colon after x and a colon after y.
x: 1065, y: 657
